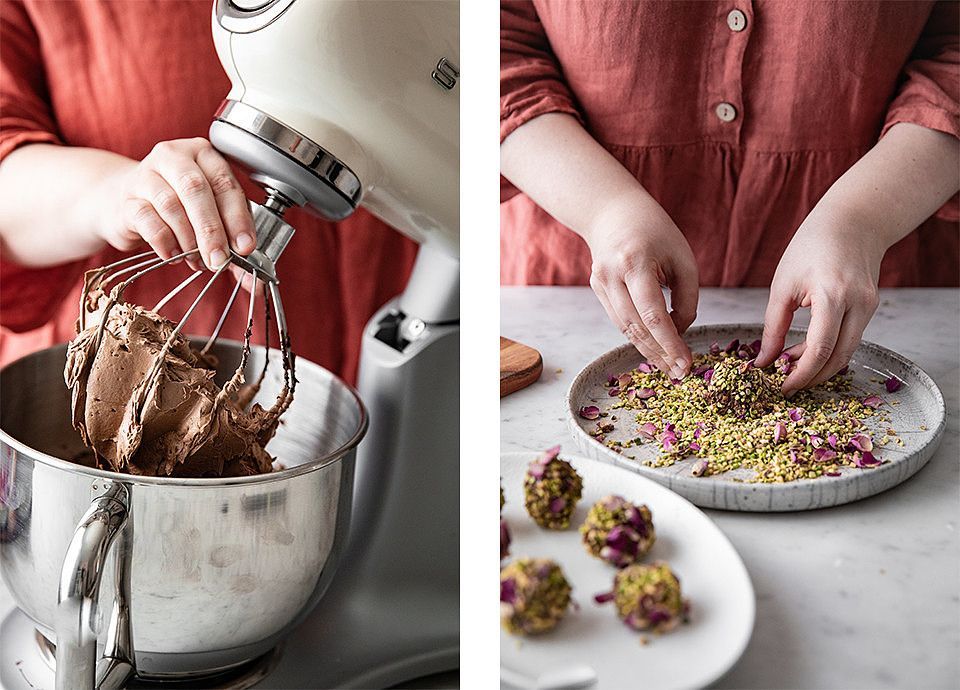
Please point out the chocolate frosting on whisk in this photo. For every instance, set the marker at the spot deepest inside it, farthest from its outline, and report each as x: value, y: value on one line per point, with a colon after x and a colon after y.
x: 146, y: 403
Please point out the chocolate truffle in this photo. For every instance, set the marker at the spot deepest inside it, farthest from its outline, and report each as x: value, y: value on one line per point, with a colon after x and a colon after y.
x: 534, y: 596
x: 551, y: 490
x: 618, y: 531
x: 647, y: 597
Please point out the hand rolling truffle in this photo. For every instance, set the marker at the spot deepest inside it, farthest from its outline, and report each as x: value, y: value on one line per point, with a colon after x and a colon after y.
x: 647, y: 597
x: 618, y: 531
x: 551, y: 490
x: 534, y: 596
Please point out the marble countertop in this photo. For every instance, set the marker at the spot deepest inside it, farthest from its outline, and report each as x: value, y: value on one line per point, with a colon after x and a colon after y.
x: 863, y: 595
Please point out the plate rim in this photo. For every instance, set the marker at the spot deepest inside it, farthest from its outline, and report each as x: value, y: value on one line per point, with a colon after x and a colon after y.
x: 674, y: 496
x: 588, y: 445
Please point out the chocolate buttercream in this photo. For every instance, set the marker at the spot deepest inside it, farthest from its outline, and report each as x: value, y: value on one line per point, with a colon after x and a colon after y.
x: 146, y: 403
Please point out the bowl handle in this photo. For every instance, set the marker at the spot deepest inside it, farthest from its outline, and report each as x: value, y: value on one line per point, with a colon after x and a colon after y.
x: 78, y: 611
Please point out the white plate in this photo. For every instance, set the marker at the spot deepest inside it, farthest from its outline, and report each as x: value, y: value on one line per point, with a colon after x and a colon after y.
x: 711, y: 574
x: 920, y: 403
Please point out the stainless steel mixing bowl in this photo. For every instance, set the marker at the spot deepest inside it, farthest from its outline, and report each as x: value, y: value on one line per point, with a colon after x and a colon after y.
x: 198, y: 575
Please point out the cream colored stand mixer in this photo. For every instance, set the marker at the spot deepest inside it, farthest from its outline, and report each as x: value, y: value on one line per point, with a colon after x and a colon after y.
x: 334, y: 104
x: 337, y: 104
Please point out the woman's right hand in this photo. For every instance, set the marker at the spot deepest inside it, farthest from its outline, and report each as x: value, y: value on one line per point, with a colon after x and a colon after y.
x: 636, y: 249
x: 182, y: 196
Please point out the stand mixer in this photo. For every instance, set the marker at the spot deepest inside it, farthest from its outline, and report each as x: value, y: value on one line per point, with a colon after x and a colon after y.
x: 336, y: 104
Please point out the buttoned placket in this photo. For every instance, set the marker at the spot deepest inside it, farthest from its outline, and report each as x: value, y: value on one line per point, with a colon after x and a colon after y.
x: 724, y: 112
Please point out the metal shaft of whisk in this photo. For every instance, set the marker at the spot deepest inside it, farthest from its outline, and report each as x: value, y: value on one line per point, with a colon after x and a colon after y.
x: 223, y: 318
x: 285, y: 349
x: 176, y: 291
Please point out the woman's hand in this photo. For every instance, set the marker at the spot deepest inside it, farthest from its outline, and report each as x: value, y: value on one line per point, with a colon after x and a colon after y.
x: 636, y: 249
x: 831, y: 266
x: 182, y: 196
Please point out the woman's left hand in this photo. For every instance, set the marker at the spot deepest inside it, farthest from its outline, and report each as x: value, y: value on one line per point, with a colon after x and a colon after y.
x: 831, y: 266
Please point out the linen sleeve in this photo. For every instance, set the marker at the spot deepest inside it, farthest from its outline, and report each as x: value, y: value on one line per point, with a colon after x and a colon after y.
x: 929, y: 93
x: 29, y: 297
x: 531, y: 81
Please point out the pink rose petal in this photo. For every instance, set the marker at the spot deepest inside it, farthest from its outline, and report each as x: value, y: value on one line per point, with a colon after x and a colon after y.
x: 862, y: 442
x: 893, y: 384
x: 590, y: 412
x: 873, y: 401
x: 779, y: 432
x: 649, y: 431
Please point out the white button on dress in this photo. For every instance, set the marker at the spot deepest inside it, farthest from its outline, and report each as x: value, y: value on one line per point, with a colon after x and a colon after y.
x: 737, y: 20
x: 726, y: 112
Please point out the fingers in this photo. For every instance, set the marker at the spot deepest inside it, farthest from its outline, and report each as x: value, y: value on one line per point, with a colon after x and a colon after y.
x: 851, y: 331
x: 629, y: 324
x: 163, y: 198
x: 776, y: 323
x: 684, y: 296
x: 143, y: 220
x: 647, y: 298
x: 175, y: 162
x: 230, y: 199
x: 826, y: 317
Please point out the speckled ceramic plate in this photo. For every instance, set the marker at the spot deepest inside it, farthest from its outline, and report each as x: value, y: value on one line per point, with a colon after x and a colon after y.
x: 591, y: 643
x: 919, y: 404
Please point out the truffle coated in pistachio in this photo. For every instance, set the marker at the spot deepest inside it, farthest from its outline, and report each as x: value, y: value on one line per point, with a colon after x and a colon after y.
x: 739, y: 388
x: 618, y: 531
x: 551, y: 489
x: 648, y: 597
x: 534, y: 596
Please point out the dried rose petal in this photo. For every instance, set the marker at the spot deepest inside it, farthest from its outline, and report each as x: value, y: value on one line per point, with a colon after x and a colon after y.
x: 862, y: 442
x: 699, y: 468
x: 645, y: 368
x: 645, y: 393
x: 504, y: 543
x: 694, y: 446
x: 549, y: 454
x: 893, y: 384
x: 558, y: 504
x: 755, y: 346
x: 783, y: 363
x: 700, y: 370
x: 796, y: 414
x: 832, y: 440
x: 707, y: 375
x: 824, y: 455
x: 873, y: 401
x: 624, y: 380
x: 612, y: 381
x: 714, y: 348
x: 697, y: 431
x: 649, y: 430
x: 832, y: 473
x: 590, y: 412
x: 866, y: 459
x: 536, y: 470
x: 631, y: 393
x: 604, y: 597
x: 816, y: 440
x: 668, y: 440
x: 793, y: 457
x: 733, y: 346
x: 613, y: 392
x: 779, y: 432
x: 508, y: 590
